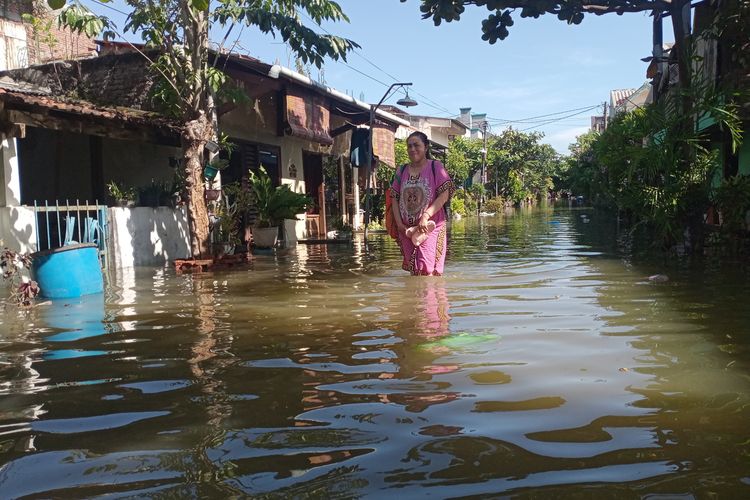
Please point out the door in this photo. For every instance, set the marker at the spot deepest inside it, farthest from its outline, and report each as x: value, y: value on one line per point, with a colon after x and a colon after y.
x: 312, y: 164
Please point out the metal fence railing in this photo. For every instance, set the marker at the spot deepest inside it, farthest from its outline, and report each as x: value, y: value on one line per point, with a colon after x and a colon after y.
x: 59, y: 225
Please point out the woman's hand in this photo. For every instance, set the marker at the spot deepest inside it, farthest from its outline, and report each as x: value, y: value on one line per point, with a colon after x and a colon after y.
x: 423, y: 220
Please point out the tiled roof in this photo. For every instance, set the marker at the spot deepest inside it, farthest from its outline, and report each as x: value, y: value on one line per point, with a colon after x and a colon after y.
x: 34, y: 101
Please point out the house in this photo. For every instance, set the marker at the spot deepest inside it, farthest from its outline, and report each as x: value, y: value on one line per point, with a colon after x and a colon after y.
x: 73, y: 126
x: 597, y: 123
x: 23, y: 44
x: 720, y: 60
x: 625, y: 100
x: 476, y: 123
x: 622, y: 101
x: 439, y: 131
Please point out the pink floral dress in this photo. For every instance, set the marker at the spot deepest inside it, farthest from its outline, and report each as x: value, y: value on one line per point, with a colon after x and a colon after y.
x: 413, y: 195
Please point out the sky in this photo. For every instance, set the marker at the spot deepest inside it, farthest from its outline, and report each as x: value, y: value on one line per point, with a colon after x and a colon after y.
x: 544, y: 67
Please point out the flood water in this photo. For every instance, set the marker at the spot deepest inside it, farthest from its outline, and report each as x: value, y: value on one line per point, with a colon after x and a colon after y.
x: 543, y: 364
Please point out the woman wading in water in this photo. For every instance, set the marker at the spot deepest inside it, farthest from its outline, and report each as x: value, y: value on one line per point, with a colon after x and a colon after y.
x: 420, y: 190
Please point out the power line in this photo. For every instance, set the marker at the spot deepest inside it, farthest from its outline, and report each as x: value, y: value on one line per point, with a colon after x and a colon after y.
x: 525, y: 120
x: 433, y: 104
x: 426, y: 100
x: 556, y: 119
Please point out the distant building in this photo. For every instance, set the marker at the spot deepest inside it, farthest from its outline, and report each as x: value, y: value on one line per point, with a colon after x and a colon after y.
x: 475, y: 122
x: 597, y: 123
x: 22, y: 44
x: 623, y: 101
x: 439, y: 130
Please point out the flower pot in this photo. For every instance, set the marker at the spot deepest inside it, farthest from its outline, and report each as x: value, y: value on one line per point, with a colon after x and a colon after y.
x: 209, y: 172
x: 265, y: 237
x: 212, y: 194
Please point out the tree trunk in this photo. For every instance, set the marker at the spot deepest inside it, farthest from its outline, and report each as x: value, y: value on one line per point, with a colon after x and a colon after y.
x: 198, y: 128
x: 194, y: 137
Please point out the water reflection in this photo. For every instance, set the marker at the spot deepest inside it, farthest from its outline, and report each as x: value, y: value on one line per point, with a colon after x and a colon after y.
x: 75, y: 319
x: 540, y: 364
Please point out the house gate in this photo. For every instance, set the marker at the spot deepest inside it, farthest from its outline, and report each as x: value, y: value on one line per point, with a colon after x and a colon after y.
x: 59, y: 225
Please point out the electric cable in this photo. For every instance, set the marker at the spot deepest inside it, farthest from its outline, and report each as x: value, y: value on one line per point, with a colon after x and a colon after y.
x: 555, y: 120
x: 521, y: 120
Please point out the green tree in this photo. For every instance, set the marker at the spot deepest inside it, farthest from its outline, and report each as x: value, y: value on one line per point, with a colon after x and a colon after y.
x: 582, y: 174
x: 520, y: 165
x: 385, y: 172
x: 190, y: 80
x: 636, y: 166
x: 402, y: 154
x: 464, y: 158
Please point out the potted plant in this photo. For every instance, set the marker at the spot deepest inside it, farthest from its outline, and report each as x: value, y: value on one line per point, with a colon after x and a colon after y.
x: 224, y: 233
x: 122, y: 195
x: 156, y: 194
x: 209, y: 173
x: 274, y: 204
x: 214, y: 167
x: 228, y: 213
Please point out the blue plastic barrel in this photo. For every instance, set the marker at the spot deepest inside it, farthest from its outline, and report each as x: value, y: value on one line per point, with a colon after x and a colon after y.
x: 69, y: 271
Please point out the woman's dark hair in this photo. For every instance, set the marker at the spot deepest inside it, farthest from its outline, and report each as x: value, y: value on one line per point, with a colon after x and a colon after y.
x: 422, y: 137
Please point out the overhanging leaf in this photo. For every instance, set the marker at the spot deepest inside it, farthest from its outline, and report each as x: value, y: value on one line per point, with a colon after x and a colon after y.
x: 199, y: 4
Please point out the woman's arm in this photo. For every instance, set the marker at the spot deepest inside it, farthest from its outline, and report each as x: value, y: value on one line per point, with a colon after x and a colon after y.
x: 397, y: 216
x: 430, y: 211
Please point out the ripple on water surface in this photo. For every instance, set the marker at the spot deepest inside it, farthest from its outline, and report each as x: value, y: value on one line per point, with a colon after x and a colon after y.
x: 540, y: 363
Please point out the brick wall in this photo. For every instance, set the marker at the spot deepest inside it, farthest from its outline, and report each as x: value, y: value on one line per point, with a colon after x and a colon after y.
x: 58, y: 43
x: 67, y: 45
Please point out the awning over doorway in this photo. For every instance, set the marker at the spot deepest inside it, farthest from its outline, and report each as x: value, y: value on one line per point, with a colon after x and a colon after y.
x: 383, y: 144
x: 308, y: 116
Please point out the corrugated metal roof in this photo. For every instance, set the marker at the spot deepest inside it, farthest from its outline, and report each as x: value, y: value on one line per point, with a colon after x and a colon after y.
x: 616, y: 97
x: 24, y: 87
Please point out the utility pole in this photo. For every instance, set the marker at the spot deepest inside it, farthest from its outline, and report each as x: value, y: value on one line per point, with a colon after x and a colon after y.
x: 605, y: 114
x: 484, y: 152
x: 484, y: 161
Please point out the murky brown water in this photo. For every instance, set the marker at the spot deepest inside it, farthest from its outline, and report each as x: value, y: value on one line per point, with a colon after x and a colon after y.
x: 541, y: 364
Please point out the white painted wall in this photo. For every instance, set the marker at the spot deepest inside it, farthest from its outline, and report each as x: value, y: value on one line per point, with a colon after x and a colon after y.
x: 145, y: 236
x: 13, y: 54
x: 17, y: 229
x: 10, y: 194
x: 140, y: 236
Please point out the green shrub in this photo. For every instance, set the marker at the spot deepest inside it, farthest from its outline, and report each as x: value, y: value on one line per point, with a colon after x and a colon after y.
x: 496, y: 204
x: 458, y: 206
x: 275, y: 204
x: 733, y: 201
